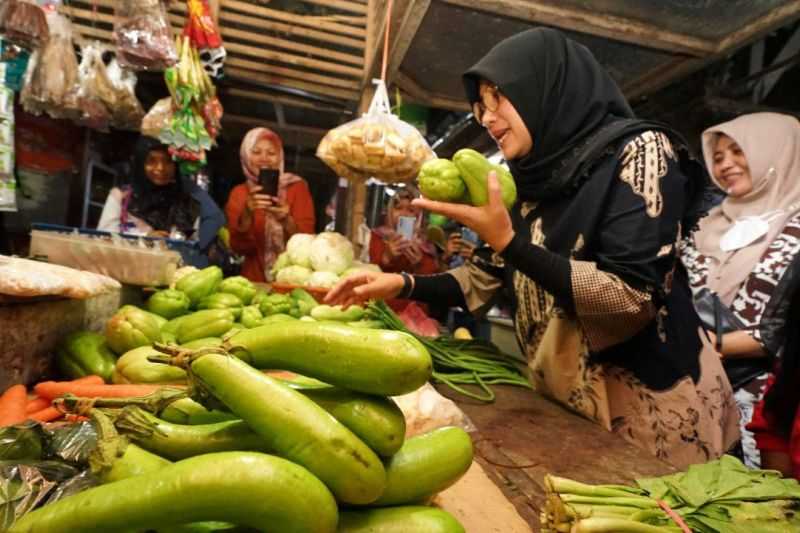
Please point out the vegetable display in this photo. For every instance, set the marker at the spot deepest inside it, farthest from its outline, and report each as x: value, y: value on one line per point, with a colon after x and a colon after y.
x: 130, y: 328
x: 169, y: 303
x: 84, y: 353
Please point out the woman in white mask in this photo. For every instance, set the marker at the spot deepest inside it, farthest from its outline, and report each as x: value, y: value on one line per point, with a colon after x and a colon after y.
x: 742, y: 249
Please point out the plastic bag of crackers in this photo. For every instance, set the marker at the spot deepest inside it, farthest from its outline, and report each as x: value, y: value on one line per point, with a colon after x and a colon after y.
x: 378, y: 145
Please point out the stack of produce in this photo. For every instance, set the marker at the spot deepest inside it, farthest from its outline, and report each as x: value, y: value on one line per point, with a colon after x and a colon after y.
x: 463, y: 180
x: 323, y: 451
x: 318, y: 261
x: 722, y: 496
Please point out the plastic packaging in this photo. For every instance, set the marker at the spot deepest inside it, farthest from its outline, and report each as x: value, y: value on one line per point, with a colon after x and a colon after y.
x: 22, y: 22
x: 143, y: 35
x: 158, y: 118
x: 21, y: 442
x: 51, y: 83
x: 425, y: 410
x: 96, y: 94
x: 378, y: 145
x: 127, y: 113
x: 71, y: 442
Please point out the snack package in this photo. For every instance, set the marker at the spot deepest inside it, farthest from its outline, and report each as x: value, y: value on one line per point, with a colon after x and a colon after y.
x: 158, y: 118
x: 23, y: 23
x: 96, y: 95
x: 143, y: 35
x: 127, y: 113
x: 378, y: 145
x: 51, y: 83
x: 13, y: 64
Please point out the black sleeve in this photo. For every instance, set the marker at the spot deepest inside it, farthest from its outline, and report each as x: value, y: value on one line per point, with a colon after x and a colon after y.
x: 551, y: 271
x: 438, y: 289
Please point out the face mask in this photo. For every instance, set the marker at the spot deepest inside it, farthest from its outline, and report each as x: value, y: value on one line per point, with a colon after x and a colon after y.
x: 744, y: 232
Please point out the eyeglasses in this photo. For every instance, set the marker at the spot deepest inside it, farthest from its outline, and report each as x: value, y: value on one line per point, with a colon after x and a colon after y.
x: 489, y: 99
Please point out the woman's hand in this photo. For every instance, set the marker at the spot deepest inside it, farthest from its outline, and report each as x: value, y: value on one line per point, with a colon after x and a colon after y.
x: 395, y: 245
x: 277, y: 209
x: 453, y: 245
x: 491, y: 222
x: 364, y: 286
x: 158, y: 234
x: 467, y: 249
x: 738, y: 344
x: 413, y: 253
x: 256, y: 200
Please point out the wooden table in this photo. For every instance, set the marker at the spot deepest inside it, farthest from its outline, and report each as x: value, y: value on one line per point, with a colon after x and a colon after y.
x: 522, y: 436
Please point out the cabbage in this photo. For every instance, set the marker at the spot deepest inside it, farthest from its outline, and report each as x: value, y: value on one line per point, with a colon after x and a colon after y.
x: 299, y: 249
x: 331, y: 252
x: 361, y: 267
x: 293, y: 275
x: 324, y: 280
x: 282, y: 262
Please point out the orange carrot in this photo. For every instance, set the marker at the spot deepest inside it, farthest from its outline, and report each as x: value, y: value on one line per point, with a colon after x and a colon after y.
x: 54, y: 389
x: 48, y: 414
x: 89, y: 380
x: 12, y: 405
x: 36, y: 404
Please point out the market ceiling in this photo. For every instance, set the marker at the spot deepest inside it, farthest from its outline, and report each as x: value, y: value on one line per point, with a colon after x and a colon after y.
x: 303, y: 66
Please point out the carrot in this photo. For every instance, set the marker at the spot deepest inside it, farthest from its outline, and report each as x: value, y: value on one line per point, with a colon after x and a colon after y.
x: 54, y: 389
x: 89, y: 380
x: 12, y: 405
x: 36, y: 404
x: 48, y: 414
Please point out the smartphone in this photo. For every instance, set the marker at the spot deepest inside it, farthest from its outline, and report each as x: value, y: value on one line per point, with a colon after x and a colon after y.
x: 467, y: 235
x: 405, y: 227
x: 268, y: 179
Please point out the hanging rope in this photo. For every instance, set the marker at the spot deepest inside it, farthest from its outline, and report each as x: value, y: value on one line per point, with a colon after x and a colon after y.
x: 385, y: 65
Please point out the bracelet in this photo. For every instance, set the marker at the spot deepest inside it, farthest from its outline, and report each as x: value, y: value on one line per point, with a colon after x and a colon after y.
x: 718, y: 343
x: 408, y: 285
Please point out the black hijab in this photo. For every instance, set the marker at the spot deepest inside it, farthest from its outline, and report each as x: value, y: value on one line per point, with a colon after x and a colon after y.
x: 162, y: 207
x: 569, y: 103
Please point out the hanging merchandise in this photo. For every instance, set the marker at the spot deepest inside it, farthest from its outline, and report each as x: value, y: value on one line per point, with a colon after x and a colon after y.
x: 378, y: 145
x: 51, y: 83
x: 127, y: 113
x: 95, y: 89
x: 204, y: 35
x: 13, y: 64
x: 196, y: 110
x: 8, y: 183
x: 143, y: 35
x: 22, y: 22
x: 158, y: 118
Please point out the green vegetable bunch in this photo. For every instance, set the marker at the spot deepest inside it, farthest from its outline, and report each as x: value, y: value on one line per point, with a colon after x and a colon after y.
x: 722, y: 496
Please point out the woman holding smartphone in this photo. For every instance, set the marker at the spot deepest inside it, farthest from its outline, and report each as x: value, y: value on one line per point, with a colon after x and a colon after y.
x: 399, y: 245
x: 269, y: 207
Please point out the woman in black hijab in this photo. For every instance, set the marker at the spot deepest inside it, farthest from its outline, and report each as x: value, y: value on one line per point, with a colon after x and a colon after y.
x: 160, y: 203
x: 587, y: 254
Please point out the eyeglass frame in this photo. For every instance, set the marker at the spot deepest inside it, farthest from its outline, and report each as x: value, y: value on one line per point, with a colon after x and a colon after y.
x: 480, y: 106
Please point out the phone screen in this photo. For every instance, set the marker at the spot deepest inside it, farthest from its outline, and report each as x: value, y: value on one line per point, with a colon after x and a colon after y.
x: 469, y: 236
x: 268, y: 178
x: 405, y: 227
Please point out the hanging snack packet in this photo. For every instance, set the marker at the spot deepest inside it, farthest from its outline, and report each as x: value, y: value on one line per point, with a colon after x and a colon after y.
x: 158, y: 118
x: 95, y: 92
x: 127, y: 113
x: 22, y: 22
x: 378, y: 145
x: 143, y: 35
x: 53, y: 83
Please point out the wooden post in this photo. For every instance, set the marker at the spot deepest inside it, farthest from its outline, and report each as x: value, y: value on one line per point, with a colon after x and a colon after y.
x: 214, y: 6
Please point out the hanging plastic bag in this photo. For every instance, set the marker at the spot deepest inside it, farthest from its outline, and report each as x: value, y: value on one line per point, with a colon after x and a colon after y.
x: 158, y: 118
x: 51, y: 83
x: 23, y: 22
x: 204, y: 35
x: 378, y: 145
x: 143, y: 35
x: 96, y: 95
x: 127, y: 113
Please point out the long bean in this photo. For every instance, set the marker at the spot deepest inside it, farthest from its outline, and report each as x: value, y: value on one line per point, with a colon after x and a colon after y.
x: 462, y: 362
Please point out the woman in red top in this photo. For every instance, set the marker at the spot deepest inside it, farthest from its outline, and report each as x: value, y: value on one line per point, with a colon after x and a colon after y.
x: 392, y: 252
x: 259, y: 224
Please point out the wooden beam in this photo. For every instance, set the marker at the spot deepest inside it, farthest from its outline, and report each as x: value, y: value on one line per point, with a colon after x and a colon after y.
x: 323, y: 85
x: 281, y: 99
x: 343, y: 5
x: 739, y: 107
x: 214, y: 7
x: 289, y: 30
x: 259, y: 38
x: 291, y: 134
x: 404, y: 35
x: 661, y: 76
x: 374, y: 56
x: 419, y: 94
x: 234, y: 60
x: 775, y: 18
x: 256, y: 10
x: 592, y: 23
x: 273, y: 56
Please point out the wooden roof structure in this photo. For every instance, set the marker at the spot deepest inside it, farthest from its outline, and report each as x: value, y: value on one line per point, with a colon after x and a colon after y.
x: 304, y: 66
